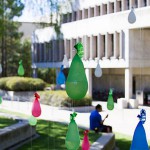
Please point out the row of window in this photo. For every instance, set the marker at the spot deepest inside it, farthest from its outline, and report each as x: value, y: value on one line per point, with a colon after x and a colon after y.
x: 110, y: 7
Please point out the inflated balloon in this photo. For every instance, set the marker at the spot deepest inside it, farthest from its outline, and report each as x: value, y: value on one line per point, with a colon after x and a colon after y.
x: 65, y: 62
x: 110, y: 101
x: 76, y: 84
x: 131, y: 16
x: 142, y: 116
x: 72, y: 138
x: 36, y: 108
x: 32, y: 121
x: 0, y: 68
x: 85, y: 142
x: 98, y: 70
x: 61, y: 77
x: 139, y: 141
x: 20, y: 69
x: 1, y: 99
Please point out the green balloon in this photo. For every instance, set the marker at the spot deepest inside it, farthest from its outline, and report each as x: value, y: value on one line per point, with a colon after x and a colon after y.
x: 1, y: 99
x: 20, y: 69
x: 110, y: 101
x: 32, y: 121
x: 76, y: 83
x: 72, y: 138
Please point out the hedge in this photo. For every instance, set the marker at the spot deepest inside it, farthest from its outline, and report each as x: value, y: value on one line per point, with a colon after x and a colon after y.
x: 21, y: 84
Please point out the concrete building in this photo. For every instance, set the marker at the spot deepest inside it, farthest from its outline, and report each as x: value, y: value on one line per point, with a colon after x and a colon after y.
x: 123, y: 49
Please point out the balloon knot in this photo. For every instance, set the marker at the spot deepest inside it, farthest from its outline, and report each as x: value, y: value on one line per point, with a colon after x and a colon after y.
x: 36, y: 95
x: 79, y: 48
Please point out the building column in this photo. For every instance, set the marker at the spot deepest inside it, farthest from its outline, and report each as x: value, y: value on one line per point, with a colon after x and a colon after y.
x: 88, y: 72
x: 128, y: 83
x: 116, y: 45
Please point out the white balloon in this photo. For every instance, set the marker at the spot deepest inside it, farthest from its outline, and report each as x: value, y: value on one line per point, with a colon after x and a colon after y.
x: 131, y: 16
x: 98, y: 71
x: 65, y: 62
x: 0, y: 68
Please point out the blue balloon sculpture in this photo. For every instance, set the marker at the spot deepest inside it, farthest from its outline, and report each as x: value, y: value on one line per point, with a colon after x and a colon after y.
x: 61, y: 77
x: 139, y: 141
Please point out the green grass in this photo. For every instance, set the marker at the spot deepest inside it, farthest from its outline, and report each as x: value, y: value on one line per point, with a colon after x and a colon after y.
x: 52, y: 137
x: 6, y: 122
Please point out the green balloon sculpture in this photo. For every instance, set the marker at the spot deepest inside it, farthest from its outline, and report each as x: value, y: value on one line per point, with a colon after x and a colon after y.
x: 32, y: 121
x: 72, y: 138
x: 110, y: 101
x: 20, y: 69
x: 1, y: 99
x: 76, y: 83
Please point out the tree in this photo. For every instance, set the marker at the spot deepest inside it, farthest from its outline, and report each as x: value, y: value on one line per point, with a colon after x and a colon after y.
x: 9, y: 36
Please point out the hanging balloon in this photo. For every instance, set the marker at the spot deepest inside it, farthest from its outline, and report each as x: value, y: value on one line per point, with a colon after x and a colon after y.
x: 110, y: 101
x: 139, y: 141
x: 0, y: 68
x: 72, y: 138
x: 65, y: 62
x: 32, y: 121
x: 98, y: 70
x: 1, y: 99
x: 20, y: 69
x: 36, y: 108
x: 131, y: 16
x: 85, y: 142
x: 76, y: 84
x: 61, y: 77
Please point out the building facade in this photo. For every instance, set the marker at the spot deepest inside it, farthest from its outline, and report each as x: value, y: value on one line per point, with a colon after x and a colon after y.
x: 123, y: 49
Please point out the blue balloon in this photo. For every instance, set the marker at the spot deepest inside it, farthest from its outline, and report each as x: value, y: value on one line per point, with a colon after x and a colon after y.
x: 61, y: 77
x: 139, y: 141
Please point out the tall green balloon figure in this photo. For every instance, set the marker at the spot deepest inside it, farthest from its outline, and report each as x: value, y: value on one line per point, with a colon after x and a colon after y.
x: 110, y: 101
x: 72, y: 138
x: 1, y: 99
x: 20, y: 69
x: 76, y: 84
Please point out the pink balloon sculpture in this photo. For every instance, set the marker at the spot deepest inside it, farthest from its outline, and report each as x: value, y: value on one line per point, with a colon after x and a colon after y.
x: 86, y: 143
x: 36, y: 108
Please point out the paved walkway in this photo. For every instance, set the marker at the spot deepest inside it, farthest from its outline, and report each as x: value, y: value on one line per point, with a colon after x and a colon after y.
x: 122, y: 120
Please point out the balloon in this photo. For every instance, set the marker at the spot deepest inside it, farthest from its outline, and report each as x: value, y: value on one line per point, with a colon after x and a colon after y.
x: 86, y: 143
x: 142, y: 116
x: 61, y: 77
x: 131, y: 16
x: 0, y: 68
x: 98, y: 70
x: 110, y: 101
x: 20, y: 69
x: 72, y: 138
x: 1, y: 99
x: 139, y: 141
x: 36, y: 108
x: 32, y: 121
x: 76, y: 84
x: 65, y: 62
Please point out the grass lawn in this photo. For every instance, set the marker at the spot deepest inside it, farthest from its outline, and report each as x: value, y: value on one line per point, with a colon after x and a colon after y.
x: 6, y: 122
x: 52, y: 137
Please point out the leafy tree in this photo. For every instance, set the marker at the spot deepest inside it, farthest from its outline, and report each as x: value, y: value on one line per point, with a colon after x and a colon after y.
x: 9, y: 36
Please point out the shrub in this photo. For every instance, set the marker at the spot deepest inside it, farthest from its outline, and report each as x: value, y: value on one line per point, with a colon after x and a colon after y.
x: 60, y: 98
x: 21, y: 84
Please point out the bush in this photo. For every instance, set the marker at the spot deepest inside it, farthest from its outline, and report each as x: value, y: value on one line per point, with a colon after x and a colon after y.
x: 21, y: 84
x: 60, y: 98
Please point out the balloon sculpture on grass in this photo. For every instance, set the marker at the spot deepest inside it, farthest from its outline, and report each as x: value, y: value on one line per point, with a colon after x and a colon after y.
x: 32, y: 120
x: 110, y: 101
x: 36, y: 108
x: 72, y: 138
x: 20, y: 69
x: 139, y: 141
x: 86, y: 143
x: 76, y: 84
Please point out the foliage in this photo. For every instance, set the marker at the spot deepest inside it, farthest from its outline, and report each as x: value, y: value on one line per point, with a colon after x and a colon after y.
x: 52, y: 136
x: 48, y: 75
x: 9, y: 35
x: 21, y: 84
x: 6, y: 122
x: 60, y: 98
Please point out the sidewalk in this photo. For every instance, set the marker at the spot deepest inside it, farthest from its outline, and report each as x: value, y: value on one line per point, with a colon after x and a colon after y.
x: 122, y: 120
